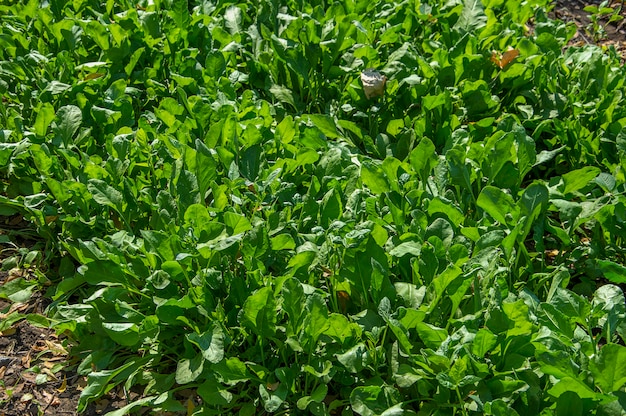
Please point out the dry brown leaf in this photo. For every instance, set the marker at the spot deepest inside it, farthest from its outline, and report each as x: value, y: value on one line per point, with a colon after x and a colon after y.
x: 51, y: 399
x: 101, y: 405
x: 26, y: 398
x: 26, y: 360
x: 502, y: 60
x: 56, y: 348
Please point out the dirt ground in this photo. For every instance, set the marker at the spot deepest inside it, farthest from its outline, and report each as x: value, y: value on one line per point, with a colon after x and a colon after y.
x: 37, y: 376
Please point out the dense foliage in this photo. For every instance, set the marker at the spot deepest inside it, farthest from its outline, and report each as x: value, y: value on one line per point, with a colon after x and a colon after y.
x: 225, y: 210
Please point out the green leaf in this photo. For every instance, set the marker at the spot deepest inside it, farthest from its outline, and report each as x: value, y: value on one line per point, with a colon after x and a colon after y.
x: 608, y: 368
x: 438, y: 205
x: 99, y: 381
x: 577, y: 179
x: 259, y: 312
x: 188, y: 370
x: 569, y: 404
x: 103, y: 272
x: 233, y: 18
x: 45, y: 116
x: 355, y: 359
x: 17, y: 290
x: 424, y: 156
x: 534, y: 195
x: 316, y: 318
x: 231, y: 371
x: 325, y: 124
x: 374, y: 401
x: 612, y: 271
x: 574, y: 385
x: 472, y: 17
x: 374, y: 177
x: 484, y: 341
x: 282, y: 242
x: 498, y: 204
x: 213, y: 392
x: 104, y: 194
x: 285, y: 95
x: 210, y: 343
x: 67, y: 121
x: 431, y: 335
x: 123, y: 333
x: 180, y: 13
x: 236, y: 223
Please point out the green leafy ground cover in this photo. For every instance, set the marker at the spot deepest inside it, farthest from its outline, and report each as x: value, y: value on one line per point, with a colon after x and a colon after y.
x: 226, y: 212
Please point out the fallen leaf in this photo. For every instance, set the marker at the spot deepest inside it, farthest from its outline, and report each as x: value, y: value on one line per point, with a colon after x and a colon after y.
x: 502, y: 60
x: 63, y: 385
x: 51, y: 399
x: 7, y: 332
x: 26, y: 360
x: 272, y: 386
x: 101, y: 405
x: 190, y: 406
x: 56, y: 348
x: 26, y: 398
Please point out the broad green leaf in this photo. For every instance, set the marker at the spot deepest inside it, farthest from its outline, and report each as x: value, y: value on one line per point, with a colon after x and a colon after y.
x: 373, y: 401
x: 609, y: 307
x: 259, y: 312
x: 293, y: 296
x: 231, y: 371
x: 286, y: 129
x: 103, y: 272
x: 99, y: 381
x: 571, y: 304
x: 272, y: 400
x: 438, y: 205
x: 472, y: 17
x: 373, y: 177
x: 355, y: 359
x: 534, y: 195
x: 180, y: 13
x: 124, y: 333
x: 104, y: 194
x: 18, y: 290
x: 518, y: 313
x: 431, y: 335
x: 213, y: 392
x: 325, y: 124
x: 498, y: 204
x: 210, y: 343
x: 98, y: 32
x: 483, y: 343
x: 188, y: 370
x: 612, y: 271
x: 283, y: 242
x: 67, y: 121
x: 236, y: 223
x: 569, y: 404
x: 285, y: 95
x: 609, y: 368
x: 577, y: 179
x: 215, y: 64
x: 315, y: 319
x: 569, y: 384
x: 233, y: 18
x: 45, y: 116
